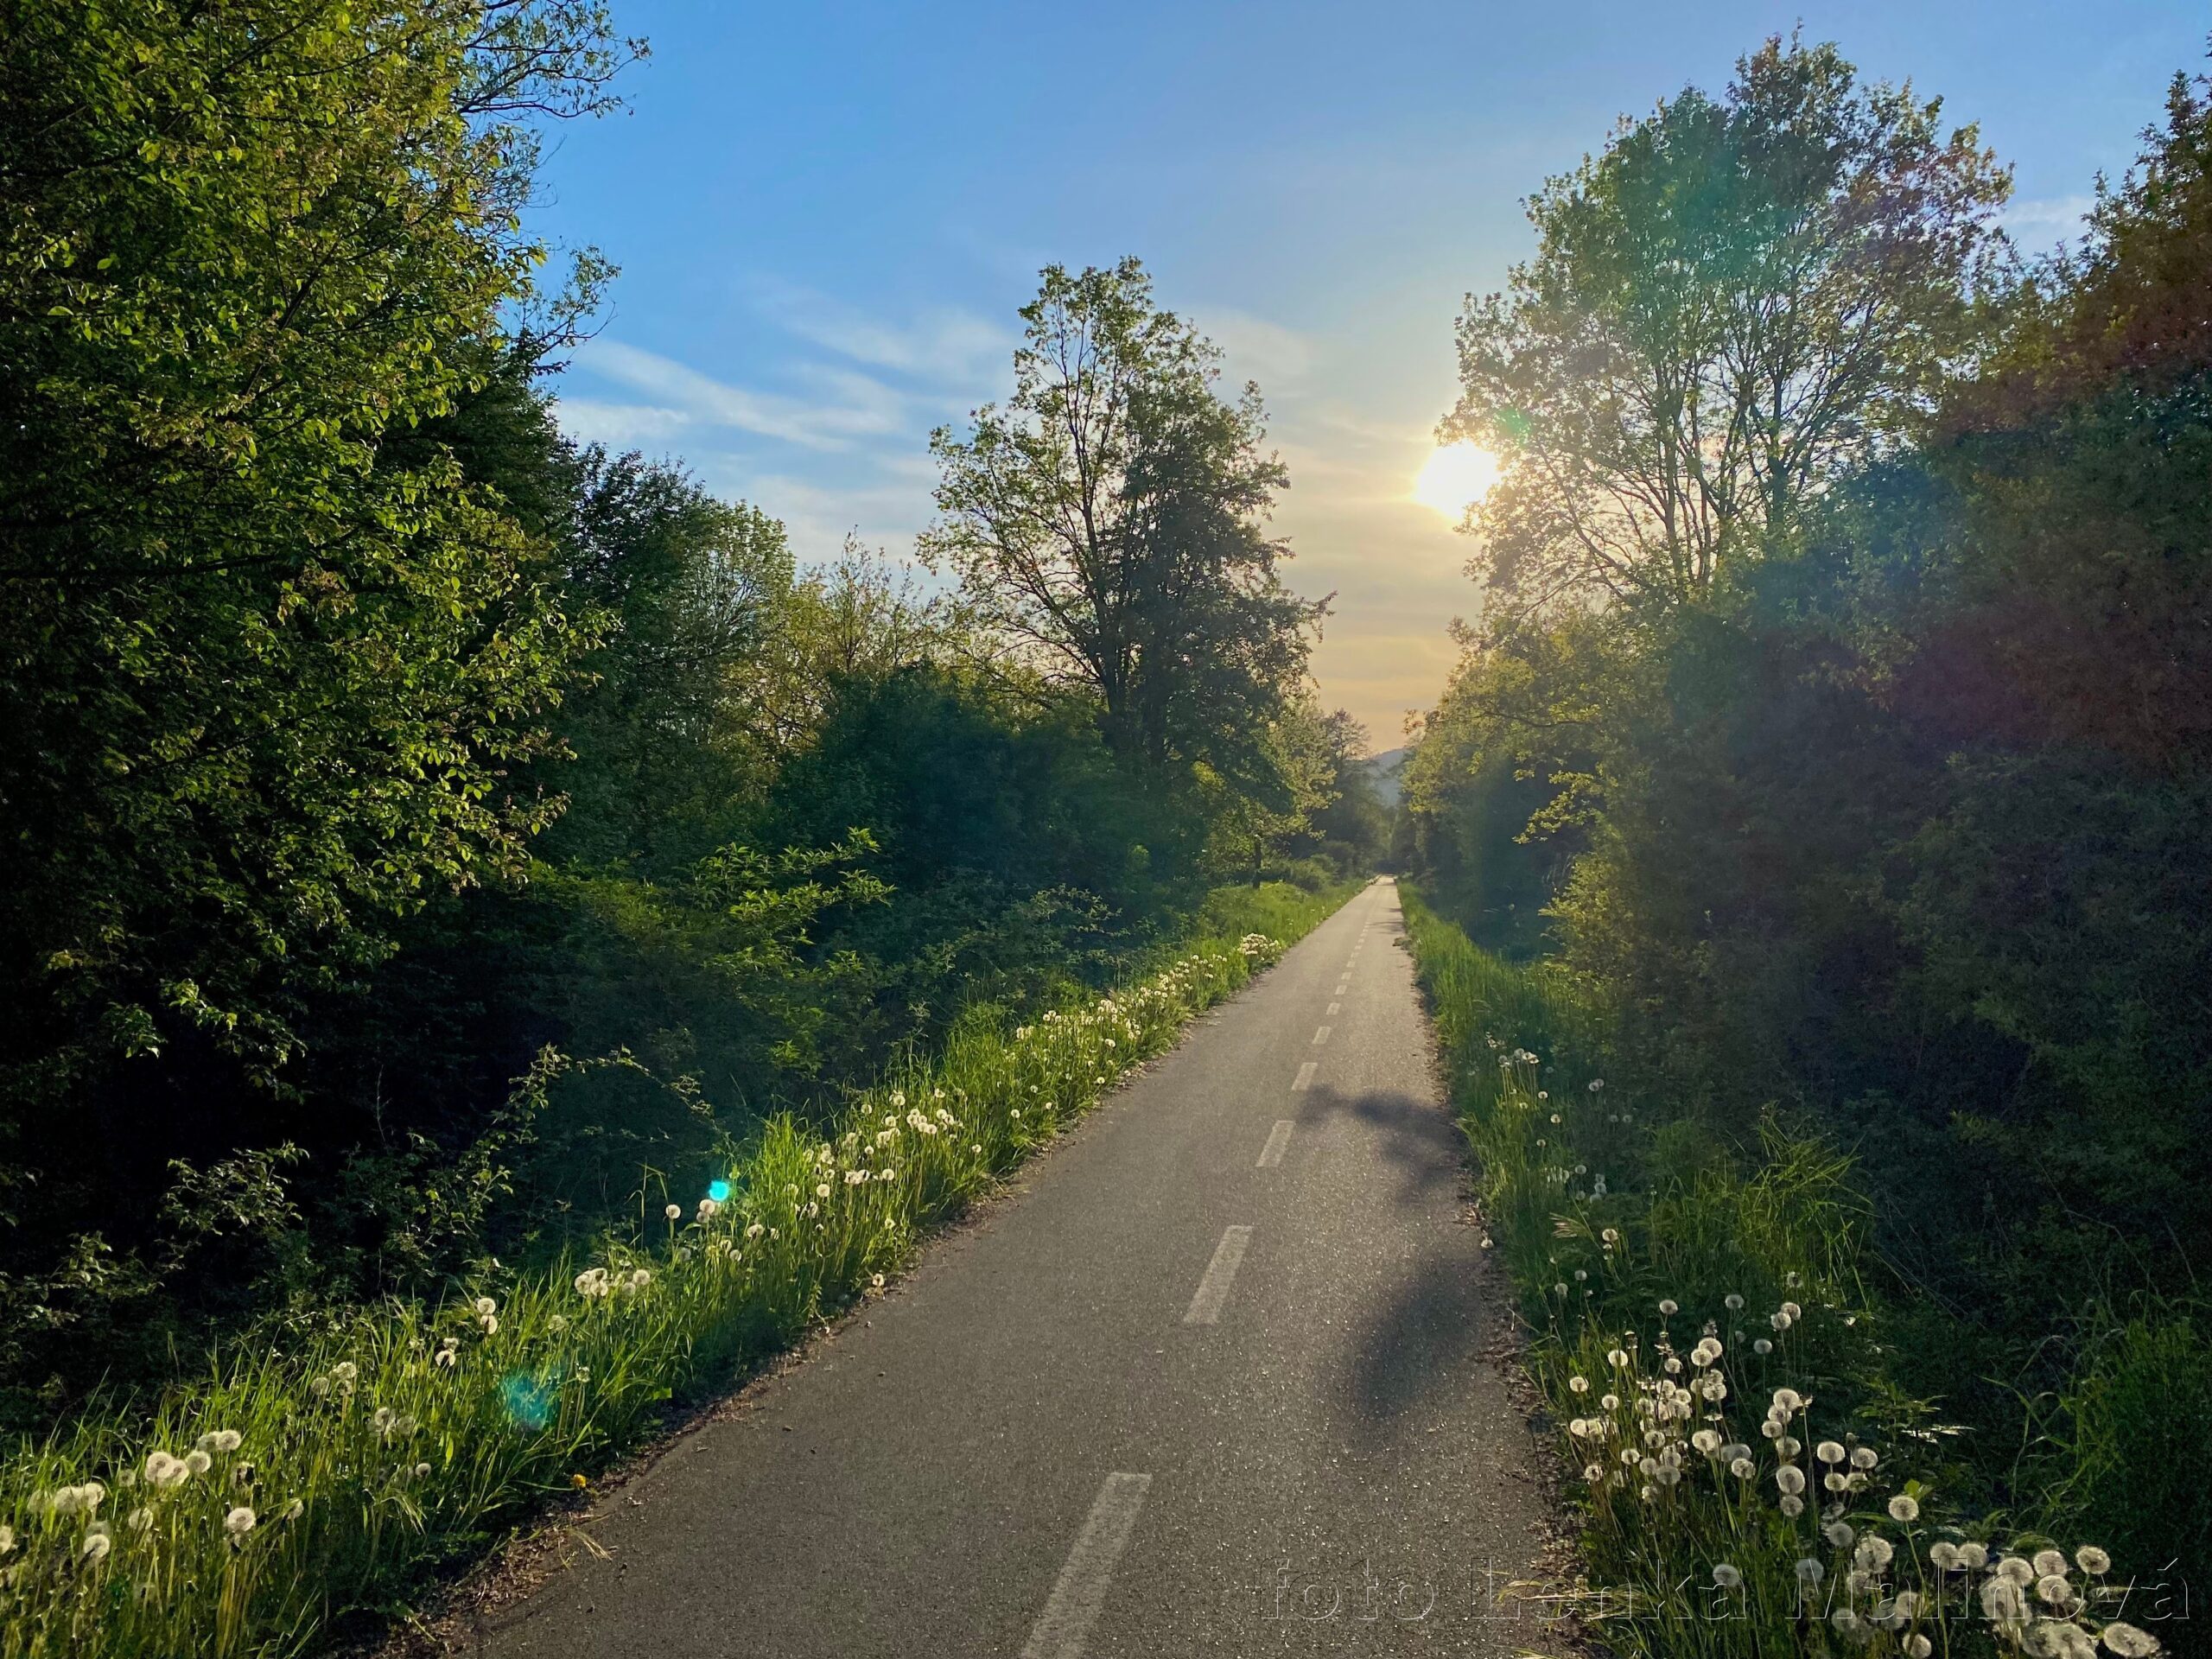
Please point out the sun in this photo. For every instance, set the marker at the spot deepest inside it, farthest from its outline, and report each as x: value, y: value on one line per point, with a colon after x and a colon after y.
x: 1455, y: 477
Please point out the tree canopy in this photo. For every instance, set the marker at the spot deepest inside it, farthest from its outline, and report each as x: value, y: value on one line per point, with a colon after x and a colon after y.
x: 1735, y: 304
x: 1110, y: 520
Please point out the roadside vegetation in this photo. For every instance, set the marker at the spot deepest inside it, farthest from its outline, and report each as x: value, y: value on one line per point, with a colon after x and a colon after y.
x: 438, y: 848
x: 272, y: 1493
x: 1826, y: 776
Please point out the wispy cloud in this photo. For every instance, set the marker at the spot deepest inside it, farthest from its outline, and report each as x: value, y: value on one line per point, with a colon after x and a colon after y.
x: 952, y: 348
x: 1256, y: 349
x: 2047, y: 218
x: 619, y: 426
x: 855, y: 406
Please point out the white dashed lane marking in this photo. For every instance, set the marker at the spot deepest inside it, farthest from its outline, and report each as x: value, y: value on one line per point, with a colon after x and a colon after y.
x: 1080, y: 1591
x: 1221, y: 1273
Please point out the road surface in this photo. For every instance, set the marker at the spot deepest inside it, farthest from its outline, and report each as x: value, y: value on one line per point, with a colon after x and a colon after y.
x: 1209, y: 1383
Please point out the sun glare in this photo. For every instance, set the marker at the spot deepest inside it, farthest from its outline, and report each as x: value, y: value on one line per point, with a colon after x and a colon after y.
x: 1456, y: 477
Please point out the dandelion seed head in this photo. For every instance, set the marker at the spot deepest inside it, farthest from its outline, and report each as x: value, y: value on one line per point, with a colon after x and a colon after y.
x: 239, y: 1521
x: 1903, y: 1508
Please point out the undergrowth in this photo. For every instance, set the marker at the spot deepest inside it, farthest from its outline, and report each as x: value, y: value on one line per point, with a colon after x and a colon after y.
x: 1705, y: 1329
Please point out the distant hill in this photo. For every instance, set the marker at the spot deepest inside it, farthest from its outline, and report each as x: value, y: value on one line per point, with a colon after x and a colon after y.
x: 1384, y: 768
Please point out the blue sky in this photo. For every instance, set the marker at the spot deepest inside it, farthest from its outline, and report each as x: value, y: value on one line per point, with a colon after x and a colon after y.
x: 826, y: 216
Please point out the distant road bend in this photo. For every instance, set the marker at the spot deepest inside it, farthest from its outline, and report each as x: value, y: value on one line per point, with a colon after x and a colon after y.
x: 1209, y: 1383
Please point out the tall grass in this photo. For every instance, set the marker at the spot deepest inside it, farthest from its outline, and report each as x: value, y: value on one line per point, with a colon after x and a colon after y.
x: 1750, y: 1482
x: 263, y: 1500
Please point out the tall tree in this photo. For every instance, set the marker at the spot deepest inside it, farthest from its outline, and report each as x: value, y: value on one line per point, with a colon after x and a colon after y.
x: 1740, y: 301
x: 267, y: 658
x: 1111, y: 520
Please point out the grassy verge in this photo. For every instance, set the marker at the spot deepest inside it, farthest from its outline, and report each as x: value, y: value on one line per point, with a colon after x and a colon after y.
x: 1750, y: 1481
x: 280, y: 1491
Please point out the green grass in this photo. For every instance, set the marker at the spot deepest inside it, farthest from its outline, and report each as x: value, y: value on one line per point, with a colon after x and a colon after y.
x: 1704, y: 1335
x: 328, y: 1479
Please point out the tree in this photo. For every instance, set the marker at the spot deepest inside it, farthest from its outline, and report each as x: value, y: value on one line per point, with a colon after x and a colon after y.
x: 1109, y: 521
x: 1741, y: 300
x: 268, y: 660
x: 695, y: 588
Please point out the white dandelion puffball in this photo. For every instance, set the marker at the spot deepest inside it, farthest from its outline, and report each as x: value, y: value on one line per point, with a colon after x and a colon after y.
x: 674, y: 1212
x: 2128, y: 1641
x: 1578, y: 1384
x: 239, y: 1521
x: 1918, y: 1646
x: 755, y: 1230
x: 2092, y: 1559
x: 1726, y: 1576
x: 1810, y: 1571
x: 1733, y: 1302
x: 1743, y: 1468
x: 1839, y: 1534
x: 2048, y: 1562
x: 1762, y: 1347
x: 95, y: 1547
x: 1863, y: 1457
x: 1669, y: 1307
x: 875, y: 1281
x: 822, y: 1190
x: 1790, y: 1479
x: 1829, y: 1452
x: 1944, y: 1554
x: 1903, y: 1508
x: 1874, y: 1553
x: 164, y: 1471
x: 2002, y: 1602
x: 1793, y: 1506
x: 198, y: 1461
x: 1973, y: 1556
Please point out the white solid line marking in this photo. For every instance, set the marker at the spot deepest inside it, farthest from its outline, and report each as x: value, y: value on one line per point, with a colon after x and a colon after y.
x: 1320, y: 1036
x: 1221, y: 1273
x: 1333, y: 1007
x: 1278, y: 1139
x: 1305, y: 1075
x: 1080, y: 1591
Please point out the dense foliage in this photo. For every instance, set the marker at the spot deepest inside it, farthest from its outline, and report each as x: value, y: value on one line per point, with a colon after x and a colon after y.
x: 1894, y: 819
x: 378, y: 756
